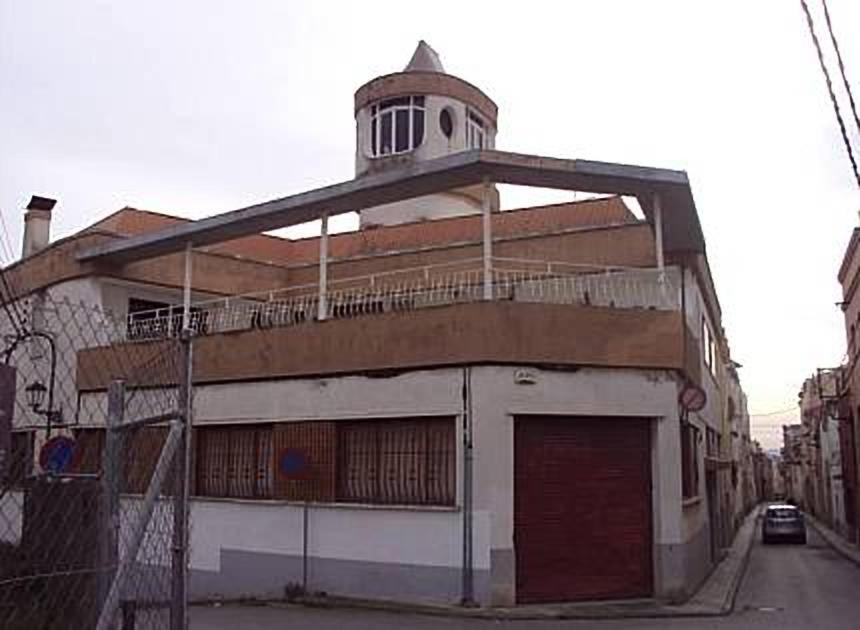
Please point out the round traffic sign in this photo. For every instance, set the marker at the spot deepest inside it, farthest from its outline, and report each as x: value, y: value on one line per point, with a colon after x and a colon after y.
x: 292, y: 463
x: 692, y: 398
x: 57, y: 454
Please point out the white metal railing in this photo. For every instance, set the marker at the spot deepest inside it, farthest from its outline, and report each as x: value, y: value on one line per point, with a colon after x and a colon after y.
x: 409, y: 289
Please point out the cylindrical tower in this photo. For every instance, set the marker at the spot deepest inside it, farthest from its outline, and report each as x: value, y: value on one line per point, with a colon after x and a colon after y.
x: 420, y: 114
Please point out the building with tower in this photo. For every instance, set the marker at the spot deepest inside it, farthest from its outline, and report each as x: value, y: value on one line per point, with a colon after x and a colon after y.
x: 453, y: 403
x: 409, y: 117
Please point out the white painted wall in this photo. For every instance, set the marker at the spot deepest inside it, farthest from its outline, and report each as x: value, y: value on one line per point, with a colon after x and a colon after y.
x: 586, y: 392
x: 415, y: 536
x: 116, y: 294
x: 427, y: 208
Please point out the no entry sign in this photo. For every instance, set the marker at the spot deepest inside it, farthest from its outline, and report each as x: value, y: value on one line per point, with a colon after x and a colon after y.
x: 692, y: 398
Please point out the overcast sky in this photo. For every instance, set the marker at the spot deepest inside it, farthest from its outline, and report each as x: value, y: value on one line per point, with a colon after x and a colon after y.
x: 198, y: 107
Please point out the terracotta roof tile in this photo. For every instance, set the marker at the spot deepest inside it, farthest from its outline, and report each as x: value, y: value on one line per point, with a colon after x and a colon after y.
x: 132, y: 222
x: 534, y: 220
x: 408, y: 236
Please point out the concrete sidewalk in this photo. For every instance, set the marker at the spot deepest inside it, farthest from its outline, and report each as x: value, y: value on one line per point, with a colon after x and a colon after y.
x: 716, y: 596
x: 842, y: 546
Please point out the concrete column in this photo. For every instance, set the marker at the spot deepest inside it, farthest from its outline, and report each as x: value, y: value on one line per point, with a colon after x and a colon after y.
x: 322, y: 305
x: 658, y: 229
x: 487, y: 239
x: 186, y: 290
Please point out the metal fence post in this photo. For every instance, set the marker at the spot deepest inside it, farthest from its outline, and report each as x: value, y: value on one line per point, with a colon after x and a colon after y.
x: 109, y: 553
x: 182, y: 467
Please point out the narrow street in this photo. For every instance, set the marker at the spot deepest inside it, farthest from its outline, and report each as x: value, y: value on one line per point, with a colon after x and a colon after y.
x: 786, y: 587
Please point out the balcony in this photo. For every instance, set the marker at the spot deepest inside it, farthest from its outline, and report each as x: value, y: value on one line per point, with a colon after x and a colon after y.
x: 404, y: 290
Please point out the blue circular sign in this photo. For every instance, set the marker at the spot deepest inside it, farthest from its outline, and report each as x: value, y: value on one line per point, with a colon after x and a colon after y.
x: 292, y: 462
x: 57, y: 454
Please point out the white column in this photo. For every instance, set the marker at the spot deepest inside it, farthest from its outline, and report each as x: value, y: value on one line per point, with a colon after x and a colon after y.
x: 186, y: 290
x: 322, y: 310
x: 487, y: 242
x: 658, y: 229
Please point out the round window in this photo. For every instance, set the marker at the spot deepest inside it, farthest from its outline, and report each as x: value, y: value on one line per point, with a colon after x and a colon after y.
x: 446, y: 122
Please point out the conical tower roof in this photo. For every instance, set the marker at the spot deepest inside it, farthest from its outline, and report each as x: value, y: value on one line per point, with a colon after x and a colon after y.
x: 424, y: 59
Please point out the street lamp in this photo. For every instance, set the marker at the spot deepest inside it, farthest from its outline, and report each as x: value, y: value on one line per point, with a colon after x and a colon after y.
x: 36, y: 390
x: 36, y: 396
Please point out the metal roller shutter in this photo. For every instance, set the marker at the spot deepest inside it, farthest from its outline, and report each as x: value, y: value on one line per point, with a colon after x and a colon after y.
x: 582, y: 508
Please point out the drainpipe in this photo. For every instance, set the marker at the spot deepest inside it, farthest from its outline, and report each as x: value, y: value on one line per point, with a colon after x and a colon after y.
x: 468, y: 592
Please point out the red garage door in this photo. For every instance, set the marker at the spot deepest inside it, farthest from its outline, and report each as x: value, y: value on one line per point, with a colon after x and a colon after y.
x: 582, y: 513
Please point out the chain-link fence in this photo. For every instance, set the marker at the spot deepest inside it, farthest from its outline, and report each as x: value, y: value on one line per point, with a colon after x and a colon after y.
x: 93, y: 472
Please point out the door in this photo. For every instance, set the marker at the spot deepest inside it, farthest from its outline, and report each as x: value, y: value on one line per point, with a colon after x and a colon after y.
x: 582, y: 508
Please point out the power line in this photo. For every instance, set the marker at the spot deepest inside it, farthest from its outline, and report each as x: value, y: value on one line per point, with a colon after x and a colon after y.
x: 18, y: 321
x: 6, y: 243
x: 773, y: 413
x: 841, y: 65
x: 7, y: 299
x: 830, y: 91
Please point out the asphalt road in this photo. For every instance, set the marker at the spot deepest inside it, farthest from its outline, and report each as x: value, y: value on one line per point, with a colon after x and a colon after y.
x: 786, y: 587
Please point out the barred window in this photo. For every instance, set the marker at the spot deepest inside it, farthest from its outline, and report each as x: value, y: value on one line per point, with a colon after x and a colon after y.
x: 139, y: 453
x: 689, y: 461
x: 403, y: 461
x: 234, y: 461
x: 89, y: 442
x: 305, y: 461
x: 409, y: 462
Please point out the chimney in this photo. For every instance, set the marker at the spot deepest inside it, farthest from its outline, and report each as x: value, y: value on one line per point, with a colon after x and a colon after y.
x: 37, y: 225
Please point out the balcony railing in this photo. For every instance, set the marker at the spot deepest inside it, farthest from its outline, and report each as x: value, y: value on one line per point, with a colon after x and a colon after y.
x: 414, y: 288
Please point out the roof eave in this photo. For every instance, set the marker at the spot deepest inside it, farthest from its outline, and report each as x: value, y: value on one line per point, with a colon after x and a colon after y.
x: 682, y: 229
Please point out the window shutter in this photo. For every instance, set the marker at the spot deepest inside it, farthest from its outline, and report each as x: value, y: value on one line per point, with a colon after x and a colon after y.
x: 140, y: 452
x: 89, y: 443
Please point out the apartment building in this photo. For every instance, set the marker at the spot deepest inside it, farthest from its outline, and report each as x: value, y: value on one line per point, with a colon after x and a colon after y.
x: 452, y: 403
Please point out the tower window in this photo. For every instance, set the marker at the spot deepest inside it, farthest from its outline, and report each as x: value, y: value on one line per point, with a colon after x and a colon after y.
x: 396, y: 125
x: 474, y: 130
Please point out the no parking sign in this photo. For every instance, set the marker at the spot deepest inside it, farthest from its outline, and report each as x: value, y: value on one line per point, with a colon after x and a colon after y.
x: 57, y: 454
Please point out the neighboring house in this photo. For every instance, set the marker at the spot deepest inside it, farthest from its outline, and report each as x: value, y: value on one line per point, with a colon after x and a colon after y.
x: 796, y: 461
x: 820, y: 448
x: 530, y: 398
x: 744, y: 495
x: 849, y: 409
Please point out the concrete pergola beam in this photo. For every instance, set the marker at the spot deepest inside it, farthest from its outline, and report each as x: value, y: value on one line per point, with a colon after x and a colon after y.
x: 682, y: 230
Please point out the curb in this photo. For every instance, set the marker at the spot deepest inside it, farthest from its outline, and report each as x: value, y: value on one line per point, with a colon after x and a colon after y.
x: 635, y: 609
x: 738, y: 578
x: 836, y: 542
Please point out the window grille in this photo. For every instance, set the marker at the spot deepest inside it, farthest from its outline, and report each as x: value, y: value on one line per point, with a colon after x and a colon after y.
x: 409, y: 462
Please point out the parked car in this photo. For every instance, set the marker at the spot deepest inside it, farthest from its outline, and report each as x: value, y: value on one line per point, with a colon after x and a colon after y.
x: 783, y: 522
